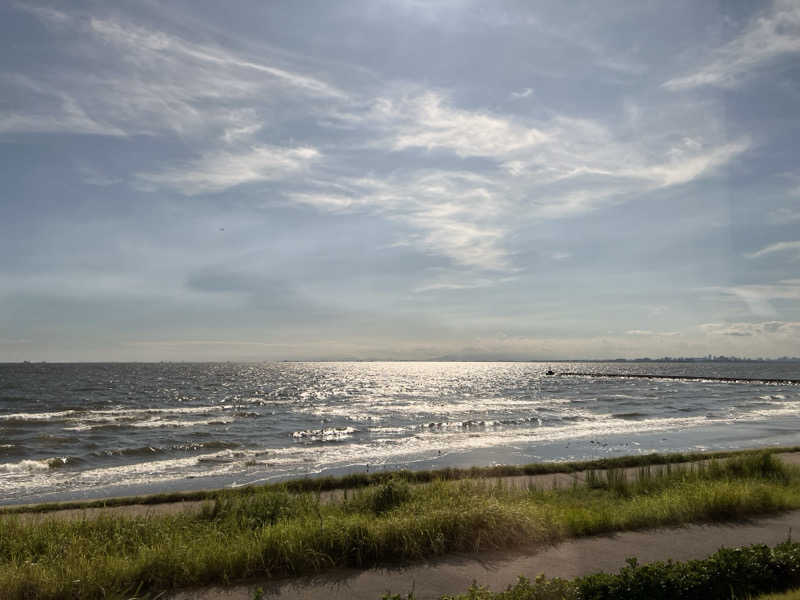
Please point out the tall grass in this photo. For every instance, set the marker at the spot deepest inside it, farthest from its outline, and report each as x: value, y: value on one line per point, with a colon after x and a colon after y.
x: 355, y: 481
x: 274, y: 533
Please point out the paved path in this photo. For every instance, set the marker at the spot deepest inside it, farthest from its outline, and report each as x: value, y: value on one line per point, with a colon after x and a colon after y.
x: 569, y: 559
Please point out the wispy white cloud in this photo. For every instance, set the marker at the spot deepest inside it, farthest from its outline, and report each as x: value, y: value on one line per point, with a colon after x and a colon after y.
x: 157, y: 343
x: 648, y: 333
x: 557, y: 167
x: 225, y: 169
x: 787, y: 329
x: 46, y: 13
x: 773, y: 34
x: 222, y: 101
x: 428, y: 120
x: 687, y: 166
x: 455, y: 281
x: 785, y: 214
x: 759, y: 297
x: 776, y: 248
x: 50, y: 110
x: 455, y: 213
x: 141, y: 39
x: 147, y: 81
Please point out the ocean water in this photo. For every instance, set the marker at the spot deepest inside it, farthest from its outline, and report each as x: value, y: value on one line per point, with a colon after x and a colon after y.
x: 92, y: 430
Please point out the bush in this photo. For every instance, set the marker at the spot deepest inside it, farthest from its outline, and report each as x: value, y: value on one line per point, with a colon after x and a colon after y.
x: 728, y: 574
x: 391, y: 494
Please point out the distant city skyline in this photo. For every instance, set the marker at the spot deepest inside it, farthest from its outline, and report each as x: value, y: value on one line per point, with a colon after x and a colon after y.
x: 398, y: 179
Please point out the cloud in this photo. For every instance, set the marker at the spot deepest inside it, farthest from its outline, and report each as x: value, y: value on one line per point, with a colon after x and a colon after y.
x: 768, y: 37
x: 427, y: 120
x: 648, y: 333
x: 456, y: 213
x: 460, y: 177
x: 686, y: 167
x: 787, y: 329
x: 778, y: 247
x: 786, y: 214
x: 533, y: 170
x: 50, y: 110
x: 158, y: 343
x: 459, y: 282
x: 139, y: 80
x: 141, y: 40
x: 221, y: 170
x: 759, y: 297
x: 556, y: 167
x: 526, y: 93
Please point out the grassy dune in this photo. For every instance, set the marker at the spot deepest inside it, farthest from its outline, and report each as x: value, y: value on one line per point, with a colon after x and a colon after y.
x: 272, y: 532
x: 356, y: 481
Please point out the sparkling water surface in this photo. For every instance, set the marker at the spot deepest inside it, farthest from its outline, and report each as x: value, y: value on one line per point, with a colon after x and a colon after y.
x: 92, y: 430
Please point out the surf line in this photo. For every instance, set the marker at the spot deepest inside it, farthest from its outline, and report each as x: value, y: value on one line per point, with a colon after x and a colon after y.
x: 683, y: 378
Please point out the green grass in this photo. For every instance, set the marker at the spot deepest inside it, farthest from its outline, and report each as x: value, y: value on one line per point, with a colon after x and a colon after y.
x: 791, y: 595
x: 272, y: 532
x: 355, y: 481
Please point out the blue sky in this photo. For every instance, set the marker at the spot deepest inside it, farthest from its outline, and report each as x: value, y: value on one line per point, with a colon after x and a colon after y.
x: 405, y: 179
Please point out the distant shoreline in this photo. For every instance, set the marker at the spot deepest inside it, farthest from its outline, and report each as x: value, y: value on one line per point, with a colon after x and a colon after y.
x: 444, y: 359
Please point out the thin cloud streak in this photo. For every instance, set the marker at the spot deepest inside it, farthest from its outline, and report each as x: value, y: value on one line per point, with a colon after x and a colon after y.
x: 772, y: 35
x: 223, y: 170
x: 778, y: 247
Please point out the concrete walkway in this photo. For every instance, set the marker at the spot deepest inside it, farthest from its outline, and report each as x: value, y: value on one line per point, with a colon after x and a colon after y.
x: 455, y: 574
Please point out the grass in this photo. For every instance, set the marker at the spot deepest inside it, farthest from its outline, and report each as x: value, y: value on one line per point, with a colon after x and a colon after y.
x: 356, y: 481
x: 790, y: 595
x: 270, y: 532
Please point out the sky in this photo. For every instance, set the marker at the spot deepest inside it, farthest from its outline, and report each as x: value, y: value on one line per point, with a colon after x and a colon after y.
x: 197, y: 180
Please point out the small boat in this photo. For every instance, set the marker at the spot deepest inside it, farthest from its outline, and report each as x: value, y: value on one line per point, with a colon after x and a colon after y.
x: 550, y: 372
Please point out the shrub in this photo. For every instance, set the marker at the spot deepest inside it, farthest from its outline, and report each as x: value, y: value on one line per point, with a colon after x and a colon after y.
x: 728, y: 574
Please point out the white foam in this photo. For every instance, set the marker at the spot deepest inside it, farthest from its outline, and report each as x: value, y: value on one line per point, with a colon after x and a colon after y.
x: 45, y: 416
x: 328, y: 434
x: 174, y: 423
x: 25, y: 466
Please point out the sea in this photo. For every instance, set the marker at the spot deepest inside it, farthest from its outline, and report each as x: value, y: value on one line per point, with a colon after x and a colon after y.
x: 83, y: 431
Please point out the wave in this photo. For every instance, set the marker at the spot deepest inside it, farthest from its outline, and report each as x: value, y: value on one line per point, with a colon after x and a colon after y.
x: 112, y: 416
x: 11, y: 450
x: 174, y: 423
x: 37, y: 417
x: 478, y: 424
x: 328, y: 434
x: 630, y: 415
x: 151, y: 450
x: 45, y: 464
x: 153, y: 423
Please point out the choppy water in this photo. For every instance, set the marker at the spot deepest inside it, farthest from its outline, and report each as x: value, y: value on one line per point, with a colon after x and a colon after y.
x: 88, y: 430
